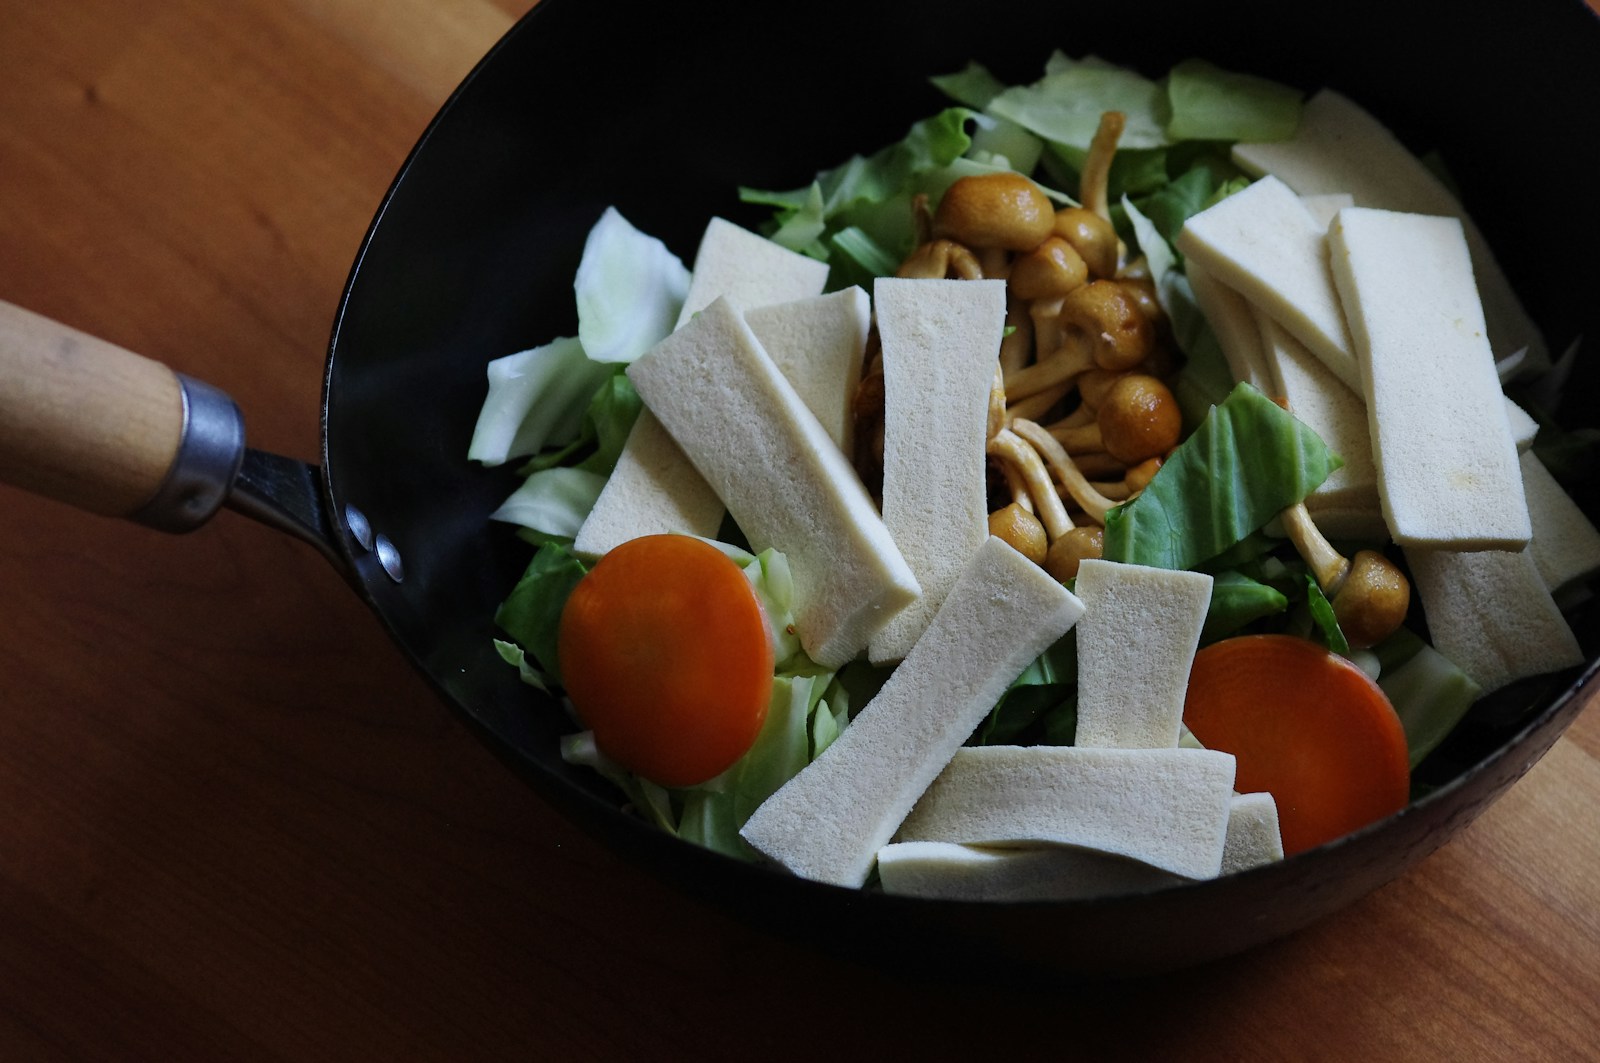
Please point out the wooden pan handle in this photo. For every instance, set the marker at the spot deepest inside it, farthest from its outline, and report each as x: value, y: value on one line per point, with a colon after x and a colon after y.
x: 91, y: 424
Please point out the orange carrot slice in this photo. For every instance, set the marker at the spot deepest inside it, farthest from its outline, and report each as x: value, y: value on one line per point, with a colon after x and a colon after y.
x: 665, y: 653
x: 1305, y: 725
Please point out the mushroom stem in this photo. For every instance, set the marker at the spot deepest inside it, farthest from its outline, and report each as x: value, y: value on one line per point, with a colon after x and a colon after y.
x: 1016, y: 485
x: 1097, y: 163
x: 1037, y: 405
x: 1327, y: 565
x: 1010, y: 447
x: 1136, y: 480
x: 1055, y: 456
x: 1058, y: 369
x: 1016, y: 349
x: 997, y: 402
x: 1369, y: 594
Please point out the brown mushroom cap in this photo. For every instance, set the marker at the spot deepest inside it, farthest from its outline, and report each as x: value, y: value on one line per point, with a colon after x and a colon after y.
x: 1002, y: 209
x: 1091, y: 236
x: 1082, y: 543
x: 1050, y: 270
x: 1022, y: 530
x: 1372, y: 600
x: 1120, y: 333
x: 1139, y: 418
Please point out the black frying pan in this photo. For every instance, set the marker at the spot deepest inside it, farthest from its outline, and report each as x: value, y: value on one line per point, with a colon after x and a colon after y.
x: 663, y: 110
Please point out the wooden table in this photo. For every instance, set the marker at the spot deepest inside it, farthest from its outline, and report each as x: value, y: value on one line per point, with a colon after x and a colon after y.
x: 235, y: 825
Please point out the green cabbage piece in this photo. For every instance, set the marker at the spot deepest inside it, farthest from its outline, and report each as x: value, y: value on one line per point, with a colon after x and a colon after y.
x: 1428, y: 691
x: 872, y: 193
x: 558, y: 492
x: 554, y: 502
x: 629, y: 289
x: 1210, y: 103
x: 536, y: 399
x: 531, y: 613
x: 714, y: 811
x: 1237, y: 600
x: 1065, y: 105
x: 972, y: 85
x: 1244, y: 464
x: 1041, y: 704
x: 1323, y: 619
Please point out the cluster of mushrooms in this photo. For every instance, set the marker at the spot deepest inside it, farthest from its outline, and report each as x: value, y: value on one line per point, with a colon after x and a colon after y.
x: 1080, y: 416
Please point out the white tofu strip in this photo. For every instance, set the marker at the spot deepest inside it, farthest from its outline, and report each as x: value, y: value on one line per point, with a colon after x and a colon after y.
x: 1333, y: 410
x: 830, y: 820
x: 1325, y: 205
x: 1136, y: 641
x: 819, y: 343
x: 654, y: 488
x: 1232, y: 322
x: 941, y: 340
x: 749, y: 270
x: 784, y: 481
x: 1490, y: 613
x: 1523, y: 427
x: 1340, y: 148
x: 1566, y: 546
x: 945, y: 871
x: 1447, y: 463
x: 1164, y: 807
x: 1253, y: 835
x: 1264, y: 244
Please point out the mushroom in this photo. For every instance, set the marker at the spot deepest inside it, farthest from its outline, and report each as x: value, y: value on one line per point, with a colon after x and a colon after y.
x: 938, y: 259
x: 1010, y: 447
x: 1093, y: 182
x: 1049, y: 271
x: 1133, y: 481
x: 1003, y: 209
x: 1016, y: 347
x: 1091, y: 236
x: 1101, y: 328
x: 1059, y: 462
x: 1369, y: 594
x: 1137, y: 418
x: 1017, y: 525
x: 1078, y: 545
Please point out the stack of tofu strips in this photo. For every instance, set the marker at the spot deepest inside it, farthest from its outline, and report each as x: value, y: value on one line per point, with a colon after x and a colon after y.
x: 1348, y: 281
x: 748, y: 406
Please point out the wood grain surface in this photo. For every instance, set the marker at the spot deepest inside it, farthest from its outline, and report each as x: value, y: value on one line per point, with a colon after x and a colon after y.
x: 234, y: 825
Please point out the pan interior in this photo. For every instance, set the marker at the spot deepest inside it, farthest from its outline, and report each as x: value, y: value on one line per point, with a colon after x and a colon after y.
x: 473, y: 252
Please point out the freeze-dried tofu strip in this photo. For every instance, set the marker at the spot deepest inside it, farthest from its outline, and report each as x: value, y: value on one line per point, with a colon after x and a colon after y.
x: 1136, y: 641
x: 1447, y: 464
x: 829, y: 821
x: 1233, y: 323
x: 748, y: 270
x: 946, y: 871
x: 1331, y: 409
x: 1264, y: 244
x: 1490, y: 613
x: 819, y: 343
x: 784, y: 481
x: 654, y: 488
x: 941, y: 340
x: 1253, y: 835
x: 1566, y: 546
x: 1340, y: 148
x: 1165, y: 807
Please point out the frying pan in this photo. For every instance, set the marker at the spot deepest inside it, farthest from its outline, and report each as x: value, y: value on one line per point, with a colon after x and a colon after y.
x: 586, y: 105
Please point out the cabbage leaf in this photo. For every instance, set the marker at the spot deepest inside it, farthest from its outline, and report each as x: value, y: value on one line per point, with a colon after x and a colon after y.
x: 1246, y: 462
x: 629, y: 290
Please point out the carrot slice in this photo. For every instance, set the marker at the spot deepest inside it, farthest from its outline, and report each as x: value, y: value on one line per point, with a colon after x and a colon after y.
x: 665, y: 653
x: 1305, y: 725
